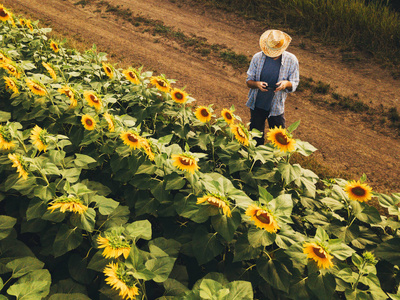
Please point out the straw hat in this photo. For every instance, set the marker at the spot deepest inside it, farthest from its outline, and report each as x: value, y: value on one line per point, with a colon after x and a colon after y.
x: 274, y: 42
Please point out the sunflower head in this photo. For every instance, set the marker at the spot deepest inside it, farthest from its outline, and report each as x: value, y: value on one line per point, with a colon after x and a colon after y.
x: 262, y: 218
x: 110, y: 121
x: 132, y: 75
x: 71, y: 203
x: 132, y: 139
x: 281, y: 139
x: 70, y: 93
x: 203, y: 114
x: 29, y: 25
x: 11, y: 69
x: 6, y: 140
x: 119, y: 279
x: 4, y: 59
x: 108, y: 69
x: 147, y: 147
x: 5, y: 15
x: 161, y: 83
x: 319, y: 254
x: 93, y: 99
x: 216, y: 201
x: 22, y: 22
x: 114, y: 244
x: 50, y: 69
x: 21, y: 165
x: 358, y: 191
x: 241, y: 134
x: 10, y: 84
x: 185, y: 162
x: 88, y: 122
x: 54, y: 46
x: 39, y: 138
x: 178, y: 95
x: 36, y: 87
x: 228, y: 116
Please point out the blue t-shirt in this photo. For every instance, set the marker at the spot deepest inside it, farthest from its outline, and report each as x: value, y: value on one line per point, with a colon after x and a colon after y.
x: 269, y: 74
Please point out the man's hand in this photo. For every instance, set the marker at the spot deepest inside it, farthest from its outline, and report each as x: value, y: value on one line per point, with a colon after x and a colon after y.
x: 261, y: 85
x: 282, y: 85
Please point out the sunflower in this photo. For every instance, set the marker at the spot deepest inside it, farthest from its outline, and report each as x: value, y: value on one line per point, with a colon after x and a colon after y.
x: 319, y: 254
x: 11, y: 69
x: 160, y: 83
x: 203, y: 114
x: 241, y: 133
x: 70, y: 203
x: 280, y: 139
x: 147, y: 147
x: 110, y: 121
x: 29, y: 25
x: 120, y: 280
x: 4, y: 14
x: 88, y: 122
x: 263, y: 219
x: 36, y: 87
x: 217, y: 201
x: 185, y: 162
x: 22, y: 22
x: 179, y: 96
x: 20, y: 164
x: 12, y: 21
x: 6, y: 142
x: 38, y: 138
x: 4, y: 59
x: 109, y: 71
x: 49, y: 69
x: 358, y: 191
x: 11, y: 85
x: 131, y: 139
x: 114, y: 246
x: 132, y: 75
x: 70, y: 93
x: 228, y: 116
x: 93, y: 99
x: 54, y: 46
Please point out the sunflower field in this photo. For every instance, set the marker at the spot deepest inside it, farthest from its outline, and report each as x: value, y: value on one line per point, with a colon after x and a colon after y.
x: 116, y: 185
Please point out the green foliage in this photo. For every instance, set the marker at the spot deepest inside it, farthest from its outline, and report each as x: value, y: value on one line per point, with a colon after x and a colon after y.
x: 162, y: 202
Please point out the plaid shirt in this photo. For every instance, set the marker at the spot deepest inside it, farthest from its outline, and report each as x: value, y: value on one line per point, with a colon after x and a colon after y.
x: 289, y: 71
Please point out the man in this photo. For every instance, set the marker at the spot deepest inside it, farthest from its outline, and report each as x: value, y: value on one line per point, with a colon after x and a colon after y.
x: 273, y: 73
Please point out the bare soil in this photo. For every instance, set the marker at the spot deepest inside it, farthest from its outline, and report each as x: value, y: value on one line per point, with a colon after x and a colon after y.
x: 344, y: 140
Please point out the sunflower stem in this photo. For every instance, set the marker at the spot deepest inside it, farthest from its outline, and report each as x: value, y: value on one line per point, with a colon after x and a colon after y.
x: 354, y: 286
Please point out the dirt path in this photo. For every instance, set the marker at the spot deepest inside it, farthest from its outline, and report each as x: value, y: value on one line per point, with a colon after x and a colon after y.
x: 344, y: 142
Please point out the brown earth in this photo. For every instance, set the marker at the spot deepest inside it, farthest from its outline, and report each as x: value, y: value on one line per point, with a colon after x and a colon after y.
x: 345, y: 142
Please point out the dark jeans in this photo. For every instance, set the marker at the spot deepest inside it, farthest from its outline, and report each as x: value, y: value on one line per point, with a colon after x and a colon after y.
x: 257, y: 121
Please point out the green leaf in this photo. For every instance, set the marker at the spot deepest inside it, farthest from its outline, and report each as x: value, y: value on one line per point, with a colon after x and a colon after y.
x: 4, y: 116
x: 244, y: 250
x: 389, y: 251
x: 240, y: 290
x: 161, y: 266
x: 321, y: 235
x: 265, y: 196
x: 160, y: 247
x: 292, y: 127
x: 174, y: 181
x: 139, y: 230
x: 186, y: 207
x: 66, y: 240
x: 6, y: 226
x: 339, y: 249
x: 85, y: 221
x: 289, y: 172
x: 305, y: 148
x: 35, y: 285
x: 366, y: 213
x: 71, y: 175
x: 98, y: 262
x: 105, y: 205
x: 83, y: 160
x: 174, y: 288
x: 275, y: 273
x: 24, y: 265
x: 118, y: 217
x: 226, y: 226
x: 72, y: 296
x: 322, y: 285
x: 205, y: 245
x: 260, y: 237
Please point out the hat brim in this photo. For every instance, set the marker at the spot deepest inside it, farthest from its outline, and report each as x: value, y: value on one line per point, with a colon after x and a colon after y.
x: 271, y: 52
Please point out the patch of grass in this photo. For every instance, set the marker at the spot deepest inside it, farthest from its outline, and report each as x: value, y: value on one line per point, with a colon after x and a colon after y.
x: 83, y: 3
x: 321, y: 88
x: 236, y: 60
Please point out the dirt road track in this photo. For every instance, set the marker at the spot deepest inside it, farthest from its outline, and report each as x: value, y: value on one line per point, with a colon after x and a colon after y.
x: 344, y: 142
